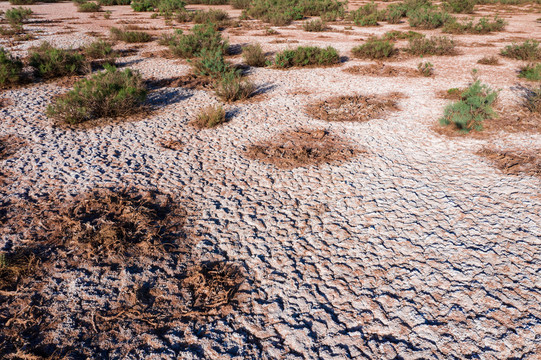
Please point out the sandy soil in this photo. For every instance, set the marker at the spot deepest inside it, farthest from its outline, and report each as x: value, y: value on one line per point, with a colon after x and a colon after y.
x: 416, y: 248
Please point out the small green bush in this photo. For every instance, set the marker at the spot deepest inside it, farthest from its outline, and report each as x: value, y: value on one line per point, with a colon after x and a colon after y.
x: 210, y: 117
x: 240, y: 4
x: 367, y: 15
x: 50, y: 62
x: 190, y: 45
x: 16, y: 16
x: 89, y: 7
x: 283, y: 12
x: 114, y: 2
x: 307, y: 56
x: 101, y: 49
x: 374, y: 48
x: 10, y: 68
x: 130, y: 36
x: 231, y: 87
x: 460, y: 6
x: 489, y: 60
x: 218, y: 17
x: 253, y: 55
x: 426, y: 68
x: 143, y: 5
x: 474, y: 107
x: 435, y: 45
x: 111, y: 93
x: 427, y: 18
x: 168, y: 7
x: 211, y: 63
x: 531, y: 72
x: 22, y: 2
x: 314, y: 26
x: 401, y: 35
x: 483, y: 26
x: 533, y: 100
x: 528, y: 51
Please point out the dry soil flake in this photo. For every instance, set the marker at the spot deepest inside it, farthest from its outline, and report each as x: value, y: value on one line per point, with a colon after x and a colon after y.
x: 296, y: 148
x: 354, y: 107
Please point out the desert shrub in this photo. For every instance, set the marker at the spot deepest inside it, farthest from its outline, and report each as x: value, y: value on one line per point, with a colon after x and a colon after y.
x: 240, y: 4
x: 435, y: 45
x: 22, y: 2
x: 211, y: 63
x: 218, y: 17
x: 168, y: 7
x: 483, y: 26
x: 10, y: 68
x: 427, y: 18
x: 101, y: 49
x: 208, y: 2
x: 460, y: 6
x: 89, y: 7
x: 282, y: 12
x: 307, y: 56
x: 426, y: 68
x: 49, y: 62
x: 401, y: 35
x: 529, y: 51
x: 374, y: 48
x: 531, y: 72
x: 533, y: 100
x: 231, y: 87
x: 16, y: 16
x: 489, y: 60
x: 143, y: 5
x: 474, y: 107
x: 367, y: 15
x: 253, y: 55
x: 114, y: 2
x: 190, y: 45
x: 314, y: 26
x: 110, y: 93
x: 395, y: 13
x: 107, y: 14
x: 210, y: 117
x: 130, y: 36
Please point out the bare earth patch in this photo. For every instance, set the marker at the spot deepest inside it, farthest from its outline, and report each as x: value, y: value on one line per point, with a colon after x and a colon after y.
x: 515, y: 162
x: 354, y: 107
x: 302, y: 147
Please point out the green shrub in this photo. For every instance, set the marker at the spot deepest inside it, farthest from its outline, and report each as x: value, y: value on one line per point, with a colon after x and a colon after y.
x: 427, y: 18
x: 143, y: 5
x: 10, y: 68
x: 231, y: 87
x: 533, y: 100
x: 22, y: 2
x: 240, y: 4
x: 190, y: 45
x: 101, y: 49
x: 531, y: 72
x: 218, y: 17
x: 107, y: 14
x: 460, y: 6
x: 50, y: 62
x: 16, y: 16
x: 367, y: 15
x: 474, y: 107
x: 400, y: 35
x: 130, y: 36
x: 529, y: 51
x: 210, y: 117
x: 307, y: 56
x: 211, y: 63
x: 208, y: 2
x: 374, y: 48
x: 168, y: 7
x: 114, y: 2
x: 282, y: 12
x: 483, y: 26
x: 253, y: 55
x: 489, y: 60
x: 314, y: 26
x: 89, y: 7
x: 435, y: 45
x: 111, y: 93
x: 426, y: 68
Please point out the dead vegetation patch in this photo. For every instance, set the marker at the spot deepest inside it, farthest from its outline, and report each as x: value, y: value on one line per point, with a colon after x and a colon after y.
x: 358, y: 108
x: 515, y: 162
x: 304, y: 147
x: 382, y: 70
x: 171, y: 144
x: 9, y: 145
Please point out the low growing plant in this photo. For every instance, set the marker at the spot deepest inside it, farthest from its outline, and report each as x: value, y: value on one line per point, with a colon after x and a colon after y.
x: 375, y: 48
x: 483, y: 26
x: 533, y: 100
x: 143, y: 5
x: 211, y: 63
x: 435, y: 45
x: 531, y: 72
x: 426, y: 68
x: 460, y: 6
x: 101, y: 49
x: 231, y: 87
x: 190, y: 45
x: 218, y: 17
x: 314, y: 26
x: 253, y: 55
x: 16, y: 16
x: 130, y: 36
x: 50, y: 62
x: 489, y: 60
x: 10, y: 68
x: 307, y: 56
x: 427, y: 18
x: 210, y: 117
x: 89, y: 7
x: 528, y: 51
x: 401, y: 35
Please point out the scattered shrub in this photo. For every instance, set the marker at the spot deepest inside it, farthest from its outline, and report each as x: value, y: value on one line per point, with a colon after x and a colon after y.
x: 22, y: 2
x: 89, y: 7
x: 101, y: 49
x: 16, y: 16
x: 211, y: 63
x: 114, y: 2
x: 107, y: 14
x: 253, y: 55
x: 282, y: 12
x: 474, y: 107
x: 489, y: 60
x: 218, y: 17
x: 533, y: 100
x: 435, y: 45
x: 240, y: 4
x: 427, y: 18
x: 210, y: 117
x: 531, y: 72
x: 130, y: 36
x: 190, y: 45
x: 314, y: 26
x: 483, y: 26
x: 374, y: 48
x: 367, y: 15
x: 143, y: 5
x: 460, y: 6
x: 401, y: 35
x: 307, y: 56
x: 232, y: 87
x: 426, y: 68
x: 110, y: 93
x: 50, y: 62
x: 168, y: 7
x: 529, y: 51
x: 10, y: 68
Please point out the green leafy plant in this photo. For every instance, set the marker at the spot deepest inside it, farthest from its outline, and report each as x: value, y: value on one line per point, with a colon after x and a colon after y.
x: 111, y: 93
x: 253, y: 55
x: 22, y: 2
x: 283, y: 12
x: 211, y: 63
x: 529, y: 51
x: 210, y: 117
x: 143, y: 5
x: 88, y: 7
x: 101, y: 49
x: 130, y: 36
x: 10, y: 68
x: 190, y: 45
x: 307, y: 56
x: 16, y: 16
x: 50, y: 62
x: 482, y: 26
x: 401, y: 35
x: 375, y: 48
x: 168, y: 7
x: 314, y: 26
x: 367, y: 15
x: 427, y: 18
x: 435, y: 45
x: 218, y: 17
x: 231, y: 87
x: 460, y: 6
x: 531, y: 72
x: 426, y: 68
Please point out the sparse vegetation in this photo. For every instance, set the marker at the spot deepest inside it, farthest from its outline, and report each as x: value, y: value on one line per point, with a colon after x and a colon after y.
x: 528, y: 51
x: 482, y: 26
x: 102, y: 50
x: 435, y: 45
x: 533, y: 100
x: 375, y: 48
x: 143, y: 5
x: 111, y: 93
x: 231, y: 87
x: 283, y: 12
x: 426, y: 68
x: 307, y: 56
x: 314, y: 26
x: 367, y: 15
x: 427, y: 18
x: 531, y: 72
x: 50, y: 62
x: 10, y: 68
x: 190, y: 45
x: 17, y: 16
x: 210, y: 117
x: 401, y: 35
x: 460, y: 6
x: 211, y: 63
x: 89, y: 6
x: 253, y: 55
x: 489, y: 60
x: 130, y: 36
x: 167, y: 8
x: 215, y: 16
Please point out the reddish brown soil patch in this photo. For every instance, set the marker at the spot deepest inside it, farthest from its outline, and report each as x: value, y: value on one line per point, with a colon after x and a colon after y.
x: 171, y: 144
x: 5, y: 102
x: 9, y: 145
x: 514, y: 162
x: 189, y: 81
x: 354, y: 108
x: 382, y: 70
x: 303, y: 147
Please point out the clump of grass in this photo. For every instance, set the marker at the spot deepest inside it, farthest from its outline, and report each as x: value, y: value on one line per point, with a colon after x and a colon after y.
x: 210, y: 117
x: 240, y: 4
x: 190, y: 45
x: 211, y: 63
x: 426, y: 68
x: 533, y: 100
x: 528, y: 51
x: 50, y: 62
x: 401, y: 35
x: 307, y: 56
x: 460, y: 6
x: 474, y: 107
x: 427, y: 18
x: 314, y: 26
x: 367, y: 15
x: 111, y: 93
x: 17, y: 16
x: 375, y: 48
x: 10, y: 68
x: 253, y: 55
x: 435, y: 45
x: 283, y: 12
x: 483, y: 26
x: 167, y: 8
x: 130, y: 36
x: 22, y: 2
x: 215, y: 16
x: 107, y: 14
x: 88, y: 7
x: 531, y: 72
x: 102, y: 50
x: 231, y: 87
x: 143, y: 5
x: 489, y: 60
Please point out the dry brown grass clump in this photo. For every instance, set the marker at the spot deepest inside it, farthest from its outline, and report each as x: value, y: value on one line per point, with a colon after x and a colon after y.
x: 9, y: 146
x: 489, y: 60
x: 189, y: 81
x: 303, y: 147
x: 210, y: 117
x: 383, y: 70
x: 354, y: 107
x: 171, y: 144
x: 515, y: 162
